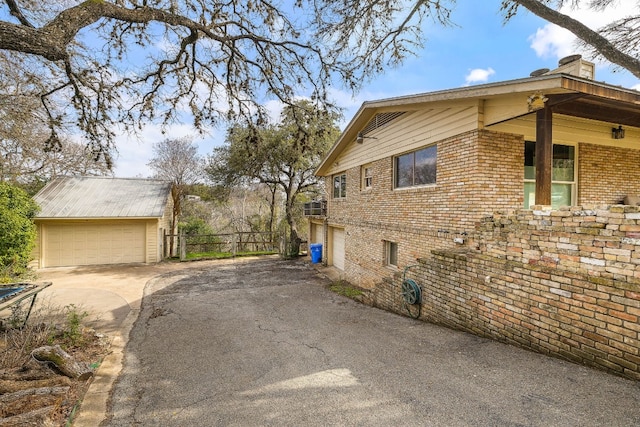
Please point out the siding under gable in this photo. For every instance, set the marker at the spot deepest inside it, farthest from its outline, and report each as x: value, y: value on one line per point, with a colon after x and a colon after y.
x: 409, y: 132
x: 499, y: 109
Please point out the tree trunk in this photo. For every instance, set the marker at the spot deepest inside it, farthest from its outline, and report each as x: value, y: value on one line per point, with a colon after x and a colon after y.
x: 176, y: 196
x: 41, y: 391
x: 294, y: 240
x: 8, y: 386
x: 294, y: 244
x: 63, y: 362
x: 272, y: 207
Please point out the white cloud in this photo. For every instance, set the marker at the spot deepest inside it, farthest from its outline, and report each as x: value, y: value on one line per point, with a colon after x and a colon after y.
x: 478, y: 75
x: 553, y: 41
x: 274, y: 109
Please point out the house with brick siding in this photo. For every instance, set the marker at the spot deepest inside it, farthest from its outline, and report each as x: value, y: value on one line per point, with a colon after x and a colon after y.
x: 506, y: 209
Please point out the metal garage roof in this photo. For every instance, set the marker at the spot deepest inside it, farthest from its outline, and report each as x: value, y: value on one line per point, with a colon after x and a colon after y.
x: 103, y: 197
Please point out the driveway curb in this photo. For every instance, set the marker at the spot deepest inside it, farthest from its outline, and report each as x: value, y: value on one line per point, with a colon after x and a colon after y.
x: 93, y: 409
x: 117, y: 292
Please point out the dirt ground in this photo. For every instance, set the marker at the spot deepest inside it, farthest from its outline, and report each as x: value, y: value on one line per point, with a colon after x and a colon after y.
x: 36, y: 393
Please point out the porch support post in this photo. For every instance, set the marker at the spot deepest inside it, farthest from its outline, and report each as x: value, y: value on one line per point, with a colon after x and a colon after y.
x: 544, y: 155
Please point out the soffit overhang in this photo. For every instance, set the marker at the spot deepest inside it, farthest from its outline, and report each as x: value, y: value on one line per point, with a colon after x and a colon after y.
x: 565, y: 94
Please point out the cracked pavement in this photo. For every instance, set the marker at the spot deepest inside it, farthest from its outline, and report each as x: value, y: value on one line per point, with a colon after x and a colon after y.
x: 259, y: 342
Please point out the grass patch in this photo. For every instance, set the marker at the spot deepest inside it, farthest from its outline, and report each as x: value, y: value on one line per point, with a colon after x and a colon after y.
x: 214, y: 255
x: 345, y: 289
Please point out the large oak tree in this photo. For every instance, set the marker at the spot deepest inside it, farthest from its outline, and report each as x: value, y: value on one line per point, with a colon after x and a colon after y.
x: 218, y: 60
x: 97, y: 63
x: 283, y: 156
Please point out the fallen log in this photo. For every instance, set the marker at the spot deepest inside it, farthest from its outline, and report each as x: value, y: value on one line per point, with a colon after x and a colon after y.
x: 62, y: 361
x: 32, y: 370
x: 38, y: 417
x: 12, y: 386
x: 41, y: 391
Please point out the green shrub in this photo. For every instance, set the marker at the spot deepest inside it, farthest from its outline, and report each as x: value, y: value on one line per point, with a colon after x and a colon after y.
x: 73, y: 334
x: 195, y: 226
x: 17, y: 231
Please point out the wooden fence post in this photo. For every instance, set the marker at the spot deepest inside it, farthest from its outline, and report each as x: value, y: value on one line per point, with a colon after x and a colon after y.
x: 233, y: 245
x: 164, y: 244
x: 182, y: 244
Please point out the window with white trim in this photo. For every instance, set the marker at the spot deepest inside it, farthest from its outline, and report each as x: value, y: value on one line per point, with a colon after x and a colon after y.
x: 416, y: 168
x: 340, y: 186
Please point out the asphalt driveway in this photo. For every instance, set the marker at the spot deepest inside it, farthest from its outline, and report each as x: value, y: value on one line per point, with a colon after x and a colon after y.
x: 264, y: 342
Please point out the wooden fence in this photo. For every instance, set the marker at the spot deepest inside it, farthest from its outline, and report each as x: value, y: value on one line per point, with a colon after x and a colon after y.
x: 220, y: 245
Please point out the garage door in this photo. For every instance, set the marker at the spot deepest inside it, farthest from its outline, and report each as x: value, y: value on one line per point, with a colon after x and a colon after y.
x: 93, y: 243
x: 337, y: 248
x: 317, y: 233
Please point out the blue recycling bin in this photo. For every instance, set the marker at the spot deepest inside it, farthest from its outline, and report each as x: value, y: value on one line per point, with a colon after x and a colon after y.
x: 316, y: 252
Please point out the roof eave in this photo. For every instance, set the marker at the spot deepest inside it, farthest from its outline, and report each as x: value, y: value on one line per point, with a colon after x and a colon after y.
x: 547, y: 83
x: 93, y: 218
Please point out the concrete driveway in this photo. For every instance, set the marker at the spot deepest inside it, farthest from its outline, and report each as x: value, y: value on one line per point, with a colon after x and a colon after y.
x: 264, y: 342
x: 112, y: 296
x: 109, y: 293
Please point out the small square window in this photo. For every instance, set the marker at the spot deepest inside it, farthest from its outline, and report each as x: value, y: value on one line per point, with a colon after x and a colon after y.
x: 391, y: 253
x: 367, y: 177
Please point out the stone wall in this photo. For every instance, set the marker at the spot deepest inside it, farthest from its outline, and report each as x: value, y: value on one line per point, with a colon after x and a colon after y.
x: 565, y: 283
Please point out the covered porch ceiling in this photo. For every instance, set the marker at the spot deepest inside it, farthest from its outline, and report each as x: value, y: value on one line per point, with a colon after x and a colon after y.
x: 597, y: 102
x: 586, y: 100
x: 595, y: 108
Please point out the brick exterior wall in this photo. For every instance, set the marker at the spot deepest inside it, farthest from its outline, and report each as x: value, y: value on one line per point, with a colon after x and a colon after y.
x: 477, y: 172
x: 564, y: 283
x: 599, y: 177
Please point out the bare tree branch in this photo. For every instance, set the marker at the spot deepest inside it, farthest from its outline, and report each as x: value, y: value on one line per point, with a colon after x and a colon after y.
x: 15, y: 10
x: 604, y: 47
x: 217, y: 60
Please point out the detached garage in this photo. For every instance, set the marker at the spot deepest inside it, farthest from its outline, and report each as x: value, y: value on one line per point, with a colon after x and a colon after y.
x: 98, y: 220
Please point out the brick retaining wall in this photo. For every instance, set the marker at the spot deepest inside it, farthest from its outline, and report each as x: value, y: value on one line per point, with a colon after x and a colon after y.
x: 565, y: 283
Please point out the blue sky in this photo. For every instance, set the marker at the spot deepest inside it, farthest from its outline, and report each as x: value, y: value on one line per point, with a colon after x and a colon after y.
x: 481, y: 48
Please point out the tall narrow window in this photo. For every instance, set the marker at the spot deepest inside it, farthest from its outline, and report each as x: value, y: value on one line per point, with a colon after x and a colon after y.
x: 416, y: 168
x: 562, y: 175
x: 391, y: 253
x: 367, y: 177
x: 340, y: 186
